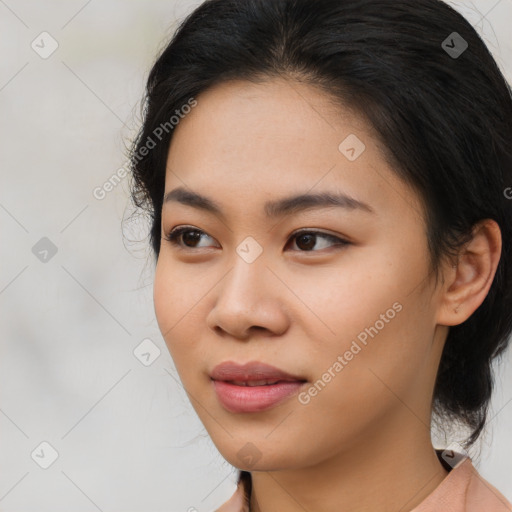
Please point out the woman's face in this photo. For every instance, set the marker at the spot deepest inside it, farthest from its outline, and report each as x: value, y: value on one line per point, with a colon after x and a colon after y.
x: 350, y: 310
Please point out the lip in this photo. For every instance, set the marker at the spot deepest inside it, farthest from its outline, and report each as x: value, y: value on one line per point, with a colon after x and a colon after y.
x: 251, y: 371
x: 240, y: 398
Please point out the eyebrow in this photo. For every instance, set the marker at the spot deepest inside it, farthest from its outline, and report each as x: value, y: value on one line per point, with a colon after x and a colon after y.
x: 273, y: 209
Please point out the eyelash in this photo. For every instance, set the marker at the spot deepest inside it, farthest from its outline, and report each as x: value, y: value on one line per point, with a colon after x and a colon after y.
x: 176, y: 233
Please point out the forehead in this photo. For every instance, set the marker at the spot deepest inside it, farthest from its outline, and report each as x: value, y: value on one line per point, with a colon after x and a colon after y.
x: 255, y: 141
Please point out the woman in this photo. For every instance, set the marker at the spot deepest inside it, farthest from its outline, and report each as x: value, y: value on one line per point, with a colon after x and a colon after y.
x: 327, y: 186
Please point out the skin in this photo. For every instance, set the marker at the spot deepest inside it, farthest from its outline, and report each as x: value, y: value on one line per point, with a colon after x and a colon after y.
x: 363, y: 442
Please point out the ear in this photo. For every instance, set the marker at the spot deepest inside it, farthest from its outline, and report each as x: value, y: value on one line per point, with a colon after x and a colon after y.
x: 467, y: 283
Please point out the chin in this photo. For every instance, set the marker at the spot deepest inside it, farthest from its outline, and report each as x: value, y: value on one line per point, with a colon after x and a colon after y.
x: 252, y: 456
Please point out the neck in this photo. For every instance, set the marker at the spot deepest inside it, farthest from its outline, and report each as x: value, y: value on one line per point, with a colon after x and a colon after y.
x: 395, y: 474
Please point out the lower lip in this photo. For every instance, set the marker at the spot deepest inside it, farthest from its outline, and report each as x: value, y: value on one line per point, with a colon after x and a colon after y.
x: 254, y: 398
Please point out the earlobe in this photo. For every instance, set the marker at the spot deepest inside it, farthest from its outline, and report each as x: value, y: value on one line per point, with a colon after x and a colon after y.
x: 468, y: 282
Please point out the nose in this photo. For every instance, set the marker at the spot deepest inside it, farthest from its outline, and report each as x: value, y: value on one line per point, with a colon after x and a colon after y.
x: 249, y: 298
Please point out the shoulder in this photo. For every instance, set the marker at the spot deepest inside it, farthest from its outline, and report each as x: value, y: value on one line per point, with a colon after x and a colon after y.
x: 482, y: 495
x: 465, y: 490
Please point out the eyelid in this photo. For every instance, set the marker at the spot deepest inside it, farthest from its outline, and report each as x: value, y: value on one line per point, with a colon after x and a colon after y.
x: 316, y: 231
x: 336, y: 239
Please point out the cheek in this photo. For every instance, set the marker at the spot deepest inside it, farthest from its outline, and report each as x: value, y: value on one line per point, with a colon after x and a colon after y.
x: 375, y: 317
x: 179, y: 300
x: 358, y: 382
x: 171, y: 297
x: 163, y: 297
x: 390, y: 368
x: 344, y: 301
x: 176, y: 291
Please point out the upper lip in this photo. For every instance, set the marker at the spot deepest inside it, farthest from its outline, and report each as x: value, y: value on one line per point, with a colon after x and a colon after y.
x: 251, y: 371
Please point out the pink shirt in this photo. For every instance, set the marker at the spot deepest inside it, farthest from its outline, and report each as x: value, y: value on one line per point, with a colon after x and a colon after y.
x: 462, y: 490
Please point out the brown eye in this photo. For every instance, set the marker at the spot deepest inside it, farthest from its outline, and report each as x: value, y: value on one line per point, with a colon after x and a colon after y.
x: 306, y: 241
x: 185, y: 237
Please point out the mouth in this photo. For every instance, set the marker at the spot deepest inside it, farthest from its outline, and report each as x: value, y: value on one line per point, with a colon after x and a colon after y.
x: 252, y: 383
x: 254, y: 397
x: 253, y: 387
x: 251, y: 372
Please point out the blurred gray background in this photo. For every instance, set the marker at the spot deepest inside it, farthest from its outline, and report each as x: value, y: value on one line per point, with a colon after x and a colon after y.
x: 88, y: 389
